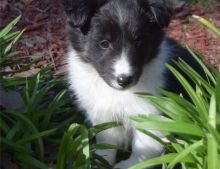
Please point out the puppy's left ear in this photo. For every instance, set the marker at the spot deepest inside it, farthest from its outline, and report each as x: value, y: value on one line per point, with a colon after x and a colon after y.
x: 79, y: 11
x: 161, y: 11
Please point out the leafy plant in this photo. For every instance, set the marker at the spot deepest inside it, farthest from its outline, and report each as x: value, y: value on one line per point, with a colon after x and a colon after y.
x: 45, y: 115
x: 191, y: 129
x: 77, y: 149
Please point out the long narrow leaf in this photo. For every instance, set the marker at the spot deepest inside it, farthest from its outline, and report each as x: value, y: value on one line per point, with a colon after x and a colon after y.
x: 176, y: 127
x: 196, y: 100
x: 9, y: 27
x: 159, y: 160
x: 185, y: 153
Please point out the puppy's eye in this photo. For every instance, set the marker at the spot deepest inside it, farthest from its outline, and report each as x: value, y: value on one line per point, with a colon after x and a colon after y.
x: 104, y: 44
x: 137, y: 42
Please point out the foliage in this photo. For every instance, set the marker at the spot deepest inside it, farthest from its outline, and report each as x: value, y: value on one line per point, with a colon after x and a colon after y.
x: 77, y: 148
x: 25, y: 133
x: 207, y: 3
x: 191, y: 129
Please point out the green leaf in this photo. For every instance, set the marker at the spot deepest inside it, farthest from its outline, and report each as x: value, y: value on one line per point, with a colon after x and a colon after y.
x: 159, y: 160
x: 213, y: 159
x: 170, y: 126
x: 185, y: 153
x: 217, y: 95
x: 215, y: 133
x: 31, y: 127
x: 64, y: 145
x: 191, y: 109
x: 37, y: 136
x: 13, y: 146
x: 212, y: 145
x: 100, y: 127
x: 4, y: 126
x: 13, y: 131
x: 204, y: 67
x: 153, y: 136
x: 53, y: 107
x: 8, y: 48
x: 192, y: 74
x: 105, y: 146
x: 25, y: 158
x: 83, y: 156
x: 198, y: 101
x: 169, y: 107
x: 208, y: 24
x: 9, y: 27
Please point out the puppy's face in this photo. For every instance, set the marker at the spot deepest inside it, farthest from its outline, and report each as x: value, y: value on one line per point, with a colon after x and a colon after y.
x: 117, y: 37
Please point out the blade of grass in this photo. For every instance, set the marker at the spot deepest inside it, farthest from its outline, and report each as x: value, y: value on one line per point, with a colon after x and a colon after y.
x: 159, y: 160
x: 169, y: 107
x: 64, y: 145
x: 217, y: 95
x: 100, y: 127
x: 212, y: 145
x: 34, y: 130
x: 4, y: 126
x: 202, y: 109
x: 207, y: 71
x: 37, y: 136
x: 13, y: 146
x: 25, y: 158
x: 192, y: 111
x: 207, y: 24
x: 9, y: 27
x: 176, y: 127
x: 198, y: 79
x: 8, y: 48
x: 185, y: 153
x: 13, y: 131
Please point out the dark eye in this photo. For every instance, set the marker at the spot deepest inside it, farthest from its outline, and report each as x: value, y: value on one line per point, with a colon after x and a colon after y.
x: 104, y: 44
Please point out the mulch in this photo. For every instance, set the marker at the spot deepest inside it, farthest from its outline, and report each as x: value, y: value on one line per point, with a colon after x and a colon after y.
x: 189, y: 31
x: 45, y: 22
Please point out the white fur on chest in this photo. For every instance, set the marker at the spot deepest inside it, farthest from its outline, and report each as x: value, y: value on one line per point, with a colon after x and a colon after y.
x: 103, y: 103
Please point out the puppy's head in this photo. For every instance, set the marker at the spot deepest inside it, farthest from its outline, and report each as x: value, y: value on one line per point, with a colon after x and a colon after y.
x: 118, y: 37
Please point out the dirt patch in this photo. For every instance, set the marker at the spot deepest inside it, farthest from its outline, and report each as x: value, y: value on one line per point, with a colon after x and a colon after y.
x: 189, y: 31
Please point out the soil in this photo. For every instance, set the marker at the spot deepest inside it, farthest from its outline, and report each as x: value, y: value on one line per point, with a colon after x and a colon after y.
x: 190, y: 32
x: 45, y: 21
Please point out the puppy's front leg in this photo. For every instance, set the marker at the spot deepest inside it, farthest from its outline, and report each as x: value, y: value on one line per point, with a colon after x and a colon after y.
x: 143, y: 148
x: 111, y: 136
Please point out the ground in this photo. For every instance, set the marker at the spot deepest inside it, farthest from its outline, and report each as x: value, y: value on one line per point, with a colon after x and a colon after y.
x: 45, y: 21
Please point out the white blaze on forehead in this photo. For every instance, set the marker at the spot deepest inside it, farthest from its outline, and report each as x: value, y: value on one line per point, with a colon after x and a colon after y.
x: 122, y: 66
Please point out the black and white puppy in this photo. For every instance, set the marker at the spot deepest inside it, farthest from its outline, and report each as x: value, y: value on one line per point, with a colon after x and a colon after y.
x: 119, y: 48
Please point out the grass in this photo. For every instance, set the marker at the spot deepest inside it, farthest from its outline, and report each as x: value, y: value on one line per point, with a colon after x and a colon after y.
x: 47, y: 121
x: 206, y: 3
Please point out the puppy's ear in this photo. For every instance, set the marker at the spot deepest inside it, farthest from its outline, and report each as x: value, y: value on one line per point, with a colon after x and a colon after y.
x: 79, y: 11
x: 159, y: 11
x: 162, y: 11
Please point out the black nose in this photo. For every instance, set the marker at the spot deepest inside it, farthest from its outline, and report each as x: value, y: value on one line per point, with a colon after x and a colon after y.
x: 124, y: 80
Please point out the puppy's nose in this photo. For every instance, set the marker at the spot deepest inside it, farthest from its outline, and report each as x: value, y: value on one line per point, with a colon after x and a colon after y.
x: 124, y: 80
